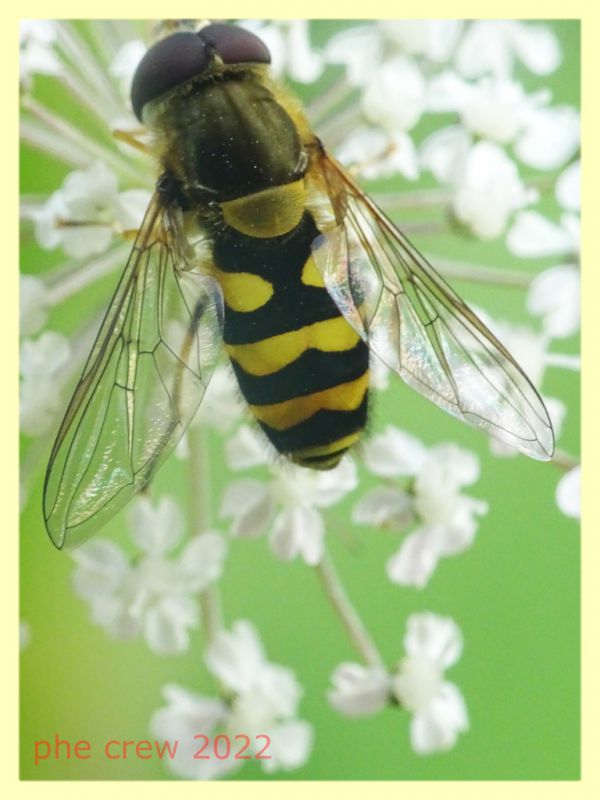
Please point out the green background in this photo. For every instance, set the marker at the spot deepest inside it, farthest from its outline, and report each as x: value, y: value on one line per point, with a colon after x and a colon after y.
x: 514, y: 594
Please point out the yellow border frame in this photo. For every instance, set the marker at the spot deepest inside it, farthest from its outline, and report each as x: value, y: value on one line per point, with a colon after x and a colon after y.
x: 591, y: 389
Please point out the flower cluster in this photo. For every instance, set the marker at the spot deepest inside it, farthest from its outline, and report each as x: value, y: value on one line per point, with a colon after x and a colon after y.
x: 432, y: 497
x: 437, y: 708
x: 288, y: 504
x: 262, y: 701
x: 154, y: 595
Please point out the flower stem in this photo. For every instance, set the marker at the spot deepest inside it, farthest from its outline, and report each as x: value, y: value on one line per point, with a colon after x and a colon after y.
x: 200, y: 520
x: 355, y: 627
x: 564, y: 460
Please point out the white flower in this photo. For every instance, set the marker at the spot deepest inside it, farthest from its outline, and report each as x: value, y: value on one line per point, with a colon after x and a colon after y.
x: 155, y: 596
x: 445, y: 153
x: 568, y: 493
x: 447, y: 518
x: 264, y: 699
x: 496, y: 109
x: 359, y: 690
x: 125, y: 63
x: 33, y: 305
x: 288, y: 41
x: 37, y: 56
x: 287, y: 505
x: 41, y: 363
x: 554, y: 296
x: 186, y: 716
x: 386, y: 508
x: 550, y: 137
x: 568, y: 187
x: 435, y: 39
x: 534, y: 236
x: 491, y: 47
x: 394, y: 452
x: 359, y: 50
x: 439, y: 714
x: 489, y: 190
x: 395, y: 97
x: 84, y: 214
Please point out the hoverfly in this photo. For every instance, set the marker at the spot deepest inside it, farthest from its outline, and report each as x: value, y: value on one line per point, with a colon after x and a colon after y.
x: 258, y: 239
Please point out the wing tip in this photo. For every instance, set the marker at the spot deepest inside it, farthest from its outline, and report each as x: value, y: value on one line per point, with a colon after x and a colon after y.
x: 57, y: 533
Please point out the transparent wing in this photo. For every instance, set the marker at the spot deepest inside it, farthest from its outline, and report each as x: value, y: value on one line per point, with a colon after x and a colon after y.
x: 417, y: 325
x: 141, y: 385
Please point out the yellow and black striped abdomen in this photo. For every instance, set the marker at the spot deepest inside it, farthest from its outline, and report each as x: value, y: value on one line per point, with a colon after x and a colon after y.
x: 300, y: 366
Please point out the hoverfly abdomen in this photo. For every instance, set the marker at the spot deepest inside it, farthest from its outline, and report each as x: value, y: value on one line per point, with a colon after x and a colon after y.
x: 300, y: 366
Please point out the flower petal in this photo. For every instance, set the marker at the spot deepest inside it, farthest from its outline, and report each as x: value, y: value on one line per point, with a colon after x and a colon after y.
x: 534, y: 236
x: 358, y: 690
x: 290, y: 745
x: 155, y: 527
x: 236, y: 657
x: 249, y: 505
x: 298, y: 531
x: 101, y: 568
x: 436, y: 729
x: 201, y: 561
x: 550, y: 138
x: 413, y: 564
x: 568, y: 493
x: 166, y: 625
x: 436, y: 638
x: 554, y: 296
x: 568, y: 187
x: 385, y: 507
x: 394, y: 453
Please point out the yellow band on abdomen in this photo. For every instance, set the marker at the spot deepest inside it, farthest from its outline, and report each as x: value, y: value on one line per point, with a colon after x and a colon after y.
x: 243, y: 291
x: 343, y: 397
x: 272, y: 354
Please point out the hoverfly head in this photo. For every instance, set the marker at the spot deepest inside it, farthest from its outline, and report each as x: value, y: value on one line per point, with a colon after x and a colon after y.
x: 186, y: 55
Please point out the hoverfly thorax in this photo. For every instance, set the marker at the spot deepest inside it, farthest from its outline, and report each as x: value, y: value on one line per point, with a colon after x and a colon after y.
x: 221, y: 133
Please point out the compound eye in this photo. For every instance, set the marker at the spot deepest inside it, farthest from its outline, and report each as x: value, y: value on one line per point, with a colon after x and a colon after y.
x: 235, y: 45
x: 167, y: 64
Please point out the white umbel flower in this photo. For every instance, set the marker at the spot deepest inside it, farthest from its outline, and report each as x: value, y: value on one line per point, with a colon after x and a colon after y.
x: 288, y: 507
x: 446, y: 518
x: 40, y: 397
x: 438, y: 710
x: 156, y: 595
x: 263, y: 705
x: 88, y: 210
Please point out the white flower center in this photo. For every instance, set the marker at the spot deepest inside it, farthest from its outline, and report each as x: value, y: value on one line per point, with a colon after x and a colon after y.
x: 417, y: 682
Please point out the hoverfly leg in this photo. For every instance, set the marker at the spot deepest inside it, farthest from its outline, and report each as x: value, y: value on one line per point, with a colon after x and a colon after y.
x: 356, y: 168
x: 131, y: 138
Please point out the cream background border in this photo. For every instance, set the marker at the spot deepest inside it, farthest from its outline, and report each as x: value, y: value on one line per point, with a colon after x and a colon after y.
x: 589, y: 13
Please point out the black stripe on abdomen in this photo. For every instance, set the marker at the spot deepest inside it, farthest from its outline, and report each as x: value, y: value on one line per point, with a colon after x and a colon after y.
x: 314, y: 371
x: 321, y: 429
